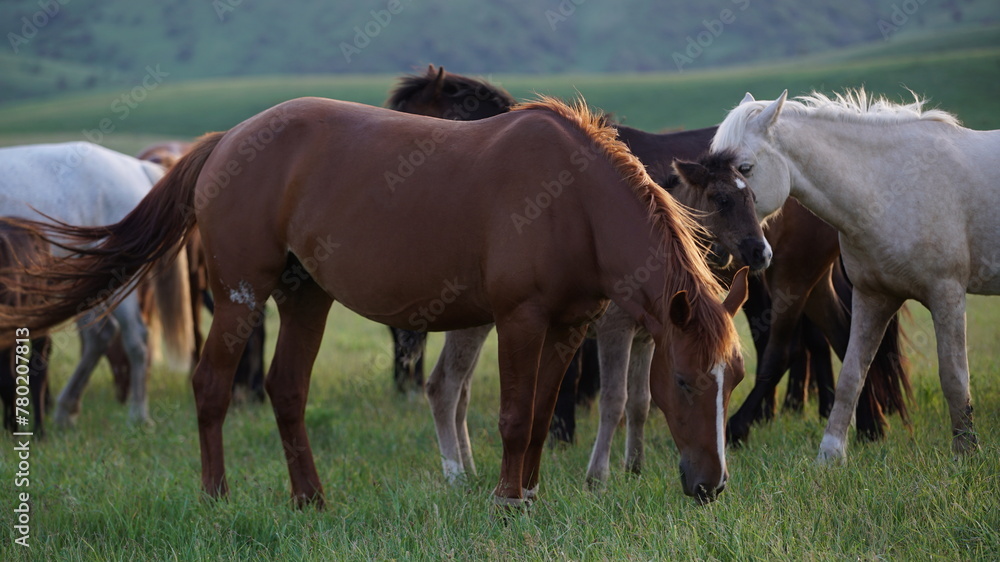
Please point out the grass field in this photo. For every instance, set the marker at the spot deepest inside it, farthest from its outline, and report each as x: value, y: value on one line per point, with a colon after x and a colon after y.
x: 107, y: 491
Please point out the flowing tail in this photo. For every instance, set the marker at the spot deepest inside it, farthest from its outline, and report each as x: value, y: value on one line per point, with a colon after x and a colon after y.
x: 106, y: 262
x: 887, y: 386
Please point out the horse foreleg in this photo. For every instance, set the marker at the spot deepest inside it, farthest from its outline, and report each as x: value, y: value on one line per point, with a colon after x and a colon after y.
x: 785, y: 315
x: 615, y: 332
x: 448, y: 394
x: 94, y: 340
x: 948, y: 313
x: 520, y: 336
x: 637, y: 408
x: 561, y: 345
x: 870, y: 315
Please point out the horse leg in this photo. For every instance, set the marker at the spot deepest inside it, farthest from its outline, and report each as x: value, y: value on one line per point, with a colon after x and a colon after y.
x: 820, y: 367
x: 948, y: 313
x: 560, y: 346
x: 8, y: 388
x: 757, y: 309
x: 637, y: 407
x: 94, y: 339
x: 134, y: 341
x: 869, y: 317
x: 563, y: 428
x: 448, y: 394
x: 39, y: 382
x: 615, y: 333
x: 118, y: 360
x: 303, y: 316
x: 798, y: 371
x: 771, y: 368
x: 521, y: 336
x: 213, y: 382
x: 826, y: 309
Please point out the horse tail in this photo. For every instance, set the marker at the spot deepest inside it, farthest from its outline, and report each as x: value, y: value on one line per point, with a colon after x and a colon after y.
x: 173, y: 310
x: 887, y: 386
x: 104, y: 263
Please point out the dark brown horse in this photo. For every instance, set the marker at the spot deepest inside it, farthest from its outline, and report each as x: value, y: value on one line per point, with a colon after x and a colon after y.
x: 20, y: 249
x: 308, y: 227
x: 805, y: 309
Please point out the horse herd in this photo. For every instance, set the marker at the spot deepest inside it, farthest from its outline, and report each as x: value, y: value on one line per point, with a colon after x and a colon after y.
x: 458, y: 210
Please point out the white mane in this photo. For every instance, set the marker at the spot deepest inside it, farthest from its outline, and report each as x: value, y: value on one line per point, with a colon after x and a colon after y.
x: 852, y: 106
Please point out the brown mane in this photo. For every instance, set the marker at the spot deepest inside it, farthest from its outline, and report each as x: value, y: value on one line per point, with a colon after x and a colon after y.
x: 683, y: 251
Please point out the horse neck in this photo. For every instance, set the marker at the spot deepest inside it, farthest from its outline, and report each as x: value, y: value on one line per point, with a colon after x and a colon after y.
x: 638, y: 272
x: 839, y: 167
x: 657, y: 151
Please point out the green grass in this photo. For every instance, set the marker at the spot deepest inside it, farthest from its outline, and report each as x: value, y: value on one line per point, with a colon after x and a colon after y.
x: 108, y: 491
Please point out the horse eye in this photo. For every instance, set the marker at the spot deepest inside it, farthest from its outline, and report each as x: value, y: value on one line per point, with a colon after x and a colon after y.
x: 745, y: 168
x: 684, y: 385
x: 722, y: 200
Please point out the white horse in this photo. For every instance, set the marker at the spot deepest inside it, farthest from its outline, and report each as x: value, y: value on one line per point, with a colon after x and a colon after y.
x: 915, y: 198
x: 84, y: 184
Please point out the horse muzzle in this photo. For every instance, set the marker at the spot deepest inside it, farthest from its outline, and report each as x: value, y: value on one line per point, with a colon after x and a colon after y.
x: 701, y: 489
x: 756, y: 253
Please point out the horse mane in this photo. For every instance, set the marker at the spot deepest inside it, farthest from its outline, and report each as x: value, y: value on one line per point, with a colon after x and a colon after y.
x: 411, y: 85
x: 850, y: 106
x: 682, y: 249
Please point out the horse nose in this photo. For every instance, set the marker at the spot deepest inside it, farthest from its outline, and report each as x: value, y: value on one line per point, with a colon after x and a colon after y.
x: 756, y: 253
x: 702, y: 492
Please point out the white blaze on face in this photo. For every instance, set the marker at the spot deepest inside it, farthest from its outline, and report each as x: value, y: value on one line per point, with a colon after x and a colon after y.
x: 720, y: 416
x: 740, y: 184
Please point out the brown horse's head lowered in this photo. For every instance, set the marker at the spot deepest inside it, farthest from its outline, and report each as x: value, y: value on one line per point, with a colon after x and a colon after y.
x: 532, y: 219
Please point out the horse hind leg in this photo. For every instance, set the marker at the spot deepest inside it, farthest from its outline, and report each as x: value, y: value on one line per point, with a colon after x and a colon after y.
x: 448, y: 395
x: 637, y: 407
x: 303, y: 314
x: 134, y: 340
x: 94, y: 340
x: 614, y: 340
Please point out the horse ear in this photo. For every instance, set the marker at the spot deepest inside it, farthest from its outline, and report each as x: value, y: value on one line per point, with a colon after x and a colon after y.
x: 738, y: 292
x: 691, y: 173
x: 439, y: 82
x: 680, y: 310
x: 747, y: 98
x: 766, y: 119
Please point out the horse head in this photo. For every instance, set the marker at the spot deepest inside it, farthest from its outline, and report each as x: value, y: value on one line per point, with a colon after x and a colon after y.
x: 721, y: 194
x: 693, y: 390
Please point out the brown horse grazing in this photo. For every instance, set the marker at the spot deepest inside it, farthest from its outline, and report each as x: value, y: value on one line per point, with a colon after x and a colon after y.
x: 308, y: 227
x: 20, y: 249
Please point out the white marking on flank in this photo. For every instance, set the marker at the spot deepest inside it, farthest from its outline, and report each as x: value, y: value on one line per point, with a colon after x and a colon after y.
x: 243, y: 294
x: 740, y: 184
x: 720, y: 418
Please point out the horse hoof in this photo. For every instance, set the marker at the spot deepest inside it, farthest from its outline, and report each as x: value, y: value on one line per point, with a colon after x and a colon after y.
x: 965, y: 444
x: 831, y: 452
x: 736, y: 436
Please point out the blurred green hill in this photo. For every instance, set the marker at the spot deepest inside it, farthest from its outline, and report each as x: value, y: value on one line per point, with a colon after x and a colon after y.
x: 59, y: 46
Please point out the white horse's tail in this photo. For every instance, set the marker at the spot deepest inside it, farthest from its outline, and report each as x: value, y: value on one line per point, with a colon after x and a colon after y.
x: 173, y: 311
